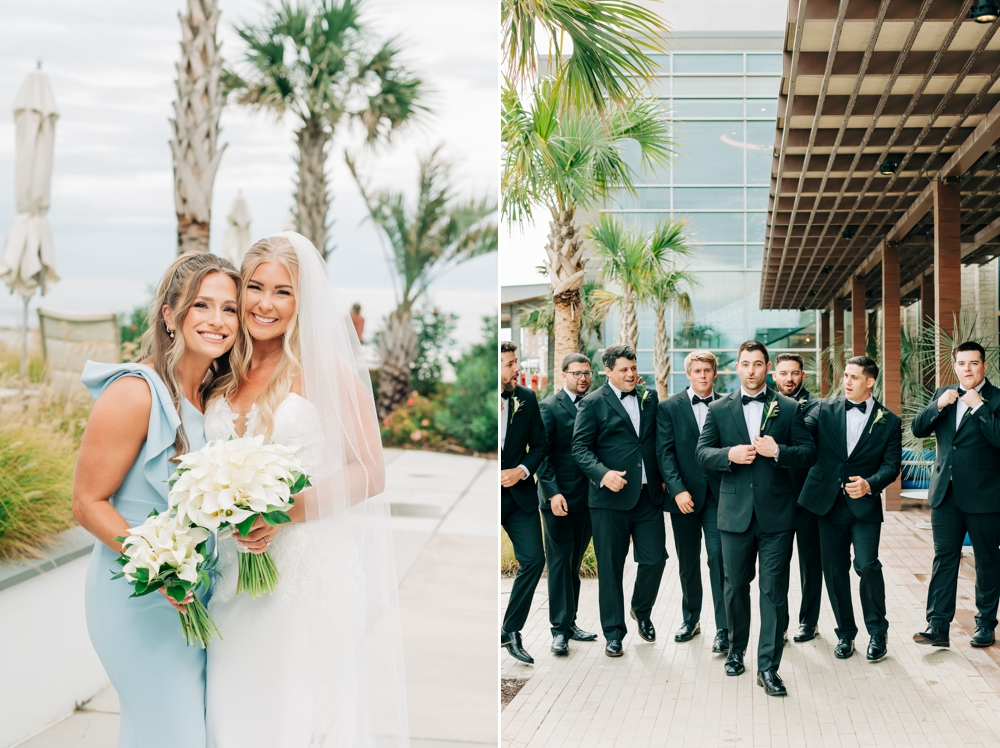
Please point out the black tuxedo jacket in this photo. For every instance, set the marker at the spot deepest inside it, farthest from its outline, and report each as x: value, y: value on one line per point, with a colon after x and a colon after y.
x: 604, y: 439
x: 676, y: 444
x: 559, y: 473
x: 969, y: 458
x: 806, y: 400
x: 764, y: 486
x: 876, y: 457
x: 525, y: 445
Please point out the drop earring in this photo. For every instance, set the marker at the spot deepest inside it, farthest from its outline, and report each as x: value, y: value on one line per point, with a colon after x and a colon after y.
x: 171, y: 334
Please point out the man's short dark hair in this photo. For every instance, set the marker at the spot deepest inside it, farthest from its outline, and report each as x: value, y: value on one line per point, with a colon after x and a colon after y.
x: 753, y: 345
x: 969, y: 345
x: 507, y: 347
x: 790, y: 357
x: 868, y: 366
x: 574, y: 358
x: 614, y: 352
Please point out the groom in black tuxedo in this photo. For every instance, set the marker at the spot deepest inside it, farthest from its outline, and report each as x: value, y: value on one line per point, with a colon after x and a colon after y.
x: 522, y: 448
x: 752, y: 436
x: 859, y: 451
x: 693, y: 496
x: 964, y: 494
x: 562, y: 493
x: 614, y: 443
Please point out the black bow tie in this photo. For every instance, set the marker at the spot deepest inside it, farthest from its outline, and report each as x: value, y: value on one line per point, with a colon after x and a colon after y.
x: 760, y: 397
x: 630, y: 393
x: 505, y: 394
x: 574, y: 398
x: 860, y: 406
x: 961, y: 392
x: 695, y: 400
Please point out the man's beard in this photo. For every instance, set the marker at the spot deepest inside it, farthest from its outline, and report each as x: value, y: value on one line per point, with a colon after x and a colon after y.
x: 507, y: 385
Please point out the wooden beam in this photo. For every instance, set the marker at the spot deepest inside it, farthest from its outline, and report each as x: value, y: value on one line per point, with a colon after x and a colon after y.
x: 891, y: 350
x: 859, y: 317
x: 825, y: 330
x: 947, y: 272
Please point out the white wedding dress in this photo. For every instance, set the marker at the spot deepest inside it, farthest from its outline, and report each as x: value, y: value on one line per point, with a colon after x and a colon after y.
x: 287, y: 672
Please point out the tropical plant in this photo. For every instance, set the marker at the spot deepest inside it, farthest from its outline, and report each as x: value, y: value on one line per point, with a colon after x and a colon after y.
x: 606, y: 41
x: 195, y: 124
x: 316, y: 61
x: 569, y: 160
x: 595, y: 304
x: 470, y: 416
x: 664, y: 289
x: 423, y: 243
x: 434, y: 330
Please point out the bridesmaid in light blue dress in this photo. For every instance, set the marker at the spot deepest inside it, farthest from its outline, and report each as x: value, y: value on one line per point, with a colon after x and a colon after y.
x: 140, y: 422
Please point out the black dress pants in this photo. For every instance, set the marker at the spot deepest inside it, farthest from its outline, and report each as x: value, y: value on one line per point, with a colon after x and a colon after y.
x: 688, y: 530
x: 740, y: 554
x: 613, y: 528
x: 525, y: 532
x: 949, y: 525
x: 566, y: 539
x: 810, y: 566
x: 839, y: 529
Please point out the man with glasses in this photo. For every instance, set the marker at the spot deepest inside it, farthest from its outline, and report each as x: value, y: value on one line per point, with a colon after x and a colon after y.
x: 562, y: 493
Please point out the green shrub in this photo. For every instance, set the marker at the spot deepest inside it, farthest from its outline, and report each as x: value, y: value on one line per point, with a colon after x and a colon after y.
x: 470, y: 407
x: 435, y: 335
x: 412, y: 424
x: 131, y: 332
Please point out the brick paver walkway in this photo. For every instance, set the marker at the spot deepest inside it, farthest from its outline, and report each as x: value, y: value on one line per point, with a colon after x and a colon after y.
x: 670, y: 694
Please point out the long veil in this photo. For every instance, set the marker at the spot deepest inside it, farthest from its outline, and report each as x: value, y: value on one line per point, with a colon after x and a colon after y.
x: 367, y: 704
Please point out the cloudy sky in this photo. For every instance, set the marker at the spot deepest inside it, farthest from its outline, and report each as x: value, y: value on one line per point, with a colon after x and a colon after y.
x: 111, y: 65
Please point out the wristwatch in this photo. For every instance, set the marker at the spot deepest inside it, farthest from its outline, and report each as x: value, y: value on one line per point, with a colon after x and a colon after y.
x: 777, y: 451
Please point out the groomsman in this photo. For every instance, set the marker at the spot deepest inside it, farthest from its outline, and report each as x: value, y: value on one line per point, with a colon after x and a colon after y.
x: 752, y: 436
x: 562, y: 493
x: 692, y: 496
x: 614, y: 443
x: 859, y: 451
x: 964, y: 494
x: 522, y: 449
x: 789, y: 376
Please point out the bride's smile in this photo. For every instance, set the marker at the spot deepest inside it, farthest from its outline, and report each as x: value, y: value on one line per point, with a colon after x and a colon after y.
x: 270, y: 301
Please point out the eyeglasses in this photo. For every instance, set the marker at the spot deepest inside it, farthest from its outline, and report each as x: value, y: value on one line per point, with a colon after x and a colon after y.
x: 579, y: 374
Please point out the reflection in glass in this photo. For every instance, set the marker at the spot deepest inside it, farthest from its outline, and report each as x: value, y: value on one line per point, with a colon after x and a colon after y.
x: 699, y: 63
x: 760, y: 148
x: 708, y: 197
x: 716, y: 227
x: 709, y: 153
x: 762, y: 108
x: 708, y: 108
x: 755, y: 256
x: 728, y: 256
x: 719, y: 313
x: 763, y: 87
x: 708, y: 87
x: 756, y: 223
x: 757, y: 198
x: 763, y: 63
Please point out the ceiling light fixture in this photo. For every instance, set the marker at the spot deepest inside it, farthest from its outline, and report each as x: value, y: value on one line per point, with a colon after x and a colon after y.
x: 984, y: 11
x: 849, y: 233
x: 888, y: 167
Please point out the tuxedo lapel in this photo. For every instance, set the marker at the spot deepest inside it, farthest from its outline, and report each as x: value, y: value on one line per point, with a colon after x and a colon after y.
x: 839, y: 409
x: 765, y: 422
x: 566, y: 403
x: 616, y: 405
x: 736, y: 410
x: 866, y: 431
x: 687, y: 409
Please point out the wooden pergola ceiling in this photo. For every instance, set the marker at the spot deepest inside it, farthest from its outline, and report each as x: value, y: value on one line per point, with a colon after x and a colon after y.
x: 912, y: 81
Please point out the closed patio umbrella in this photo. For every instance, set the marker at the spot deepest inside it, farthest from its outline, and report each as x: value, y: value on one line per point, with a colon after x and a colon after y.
x: 28, y: 260
x: 237, y: 231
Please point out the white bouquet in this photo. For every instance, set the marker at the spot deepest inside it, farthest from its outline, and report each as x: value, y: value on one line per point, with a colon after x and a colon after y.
x: 164, y: 552
x: 231, y: 484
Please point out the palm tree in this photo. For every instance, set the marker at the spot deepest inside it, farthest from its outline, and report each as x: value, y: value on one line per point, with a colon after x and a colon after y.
x: 315, y: 60
x: 194, y: 145
x: 609, y: 40
x: 664, y: 289
x: 424, y: 242
x: 595, y: 303
x: 568, y: 160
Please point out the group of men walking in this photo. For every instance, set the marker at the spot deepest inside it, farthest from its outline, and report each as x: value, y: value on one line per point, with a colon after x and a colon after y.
x: 747, y: 471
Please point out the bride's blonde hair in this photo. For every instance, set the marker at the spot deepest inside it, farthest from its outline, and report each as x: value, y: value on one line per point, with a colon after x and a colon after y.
x: 269, y: 249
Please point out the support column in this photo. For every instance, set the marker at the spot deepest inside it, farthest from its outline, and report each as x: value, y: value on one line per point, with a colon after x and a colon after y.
x: 859, y: 317
x: 947, y: 273
x: 837, y: 339
x: 892, y: 374
x: 926, y: 300
x: 825, y: 331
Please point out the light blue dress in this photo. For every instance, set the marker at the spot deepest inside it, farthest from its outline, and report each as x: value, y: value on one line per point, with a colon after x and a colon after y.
x: 159, y: 679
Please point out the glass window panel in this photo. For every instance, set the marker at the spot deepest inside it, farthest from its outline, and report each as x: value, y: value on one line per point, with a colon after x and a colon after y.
x: 708, y: 63
x: 652, y: 197
x: 659, y: 87
x: 763, y: 63
x: 632, y: 156
x: 764, y: 87
x: 778, y: 328
x: 757, y: 198
x: 663, y: 62
x: 643, y: 221
x: 755, y: 256
x: 715, y: 227
x: 718, y: 313
x: 644, y: 363
x: 708, y: 108
x: 709, y: 153
x: 721, y: 86
x: 762, y: 108
x: 647, y: 328
x: 708, y: 197
x: 729, y: 256
x: 760, y: 148
x: 756, y: 223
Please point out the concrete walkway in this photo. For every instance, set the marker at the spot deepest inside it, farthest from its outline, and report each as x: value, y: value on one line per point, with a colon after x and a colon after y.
x: 445, y: 532
x: 670, y: 694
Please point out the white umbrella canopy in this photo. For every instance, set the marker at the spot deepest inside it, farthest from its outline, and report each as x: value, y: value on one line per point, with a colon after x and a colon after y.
x: 237, y: 231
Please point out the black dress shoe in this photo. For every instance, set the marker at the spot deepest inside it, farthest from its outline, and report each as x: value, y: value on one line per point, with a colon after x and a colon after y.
x: 721, y: 642
x: 614, y: 648
x: 844, y: 649
x: 512, y: 641
x: 560, y: 645
x: 771, y: 682
x: 646, y: 630
x: 806, y: 633
x: 982, y: 638
x: 934, y: 637
x: 579, y: 635
x: 878, y: 648
x: 687, y: 632
x: 734, y: 663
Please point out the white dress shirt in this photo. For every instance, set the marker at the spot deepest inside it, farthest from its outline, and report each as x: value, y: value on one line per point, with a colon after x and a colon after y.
x: 504, y: 418
x: 631, y: 405
x: 753, y: 414
x: 700, y: 410
x: 572, y: 395
x: 961, y: 407
x: 856, y: 421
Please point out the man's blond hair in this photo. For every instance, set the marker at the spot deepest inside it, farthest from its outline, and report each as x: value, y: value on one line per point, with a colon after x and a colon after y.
x: 706, y: 357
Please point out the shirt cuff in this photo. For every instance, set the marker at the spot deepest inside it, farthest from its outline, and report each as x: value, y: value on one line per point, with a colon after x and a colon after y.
x: 527, y: 473
x: 981, y: 404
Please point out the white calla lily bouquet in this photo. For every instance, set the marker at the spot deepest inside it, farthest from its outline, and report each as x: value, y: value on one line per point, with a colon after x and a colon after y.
x: 164, y: 552
x: 232, y: 483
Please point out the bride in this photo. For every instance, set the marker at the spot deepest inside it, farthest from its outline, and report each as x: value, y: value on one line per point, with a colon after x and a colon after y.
x: 319, y: 662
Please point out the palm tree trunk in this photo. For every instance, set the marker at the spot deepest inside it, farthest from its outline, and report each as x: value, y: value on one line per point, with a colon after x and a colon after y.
x: 661, y: 354
x: 397, y: 347
x: 628, y: 328
x: 195, y: 123
x: 312, y: 198
x: 565, y: 263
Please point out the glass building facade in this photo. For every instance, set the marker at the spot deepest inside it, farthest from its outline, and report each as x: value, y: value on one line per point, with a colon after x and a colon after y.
x: 721, y: 106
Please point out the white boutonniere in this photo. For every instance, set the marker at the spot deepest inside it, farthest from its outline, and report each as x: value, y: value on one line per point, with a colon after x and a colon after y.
x: 802, y: 401
x: 879, y: 418
x: 643, y: 397
x: 772, y: 411
x: 514, y: 407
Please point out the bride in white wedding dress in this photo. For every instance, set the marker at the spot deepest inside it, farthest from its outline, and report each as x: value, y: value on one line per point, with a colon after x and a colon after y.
x: 319, y: 662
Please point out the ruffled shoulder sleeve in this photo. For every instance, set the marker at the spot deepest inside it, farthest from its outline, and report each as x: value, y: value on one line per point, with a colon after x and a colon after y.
x: 163, y: 417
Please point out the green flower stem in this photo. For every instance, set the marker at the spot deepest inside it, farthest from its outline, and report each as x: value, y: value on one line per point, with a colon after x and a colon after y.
x: 199, y: 628
x: 258, y: 574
